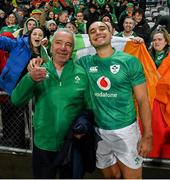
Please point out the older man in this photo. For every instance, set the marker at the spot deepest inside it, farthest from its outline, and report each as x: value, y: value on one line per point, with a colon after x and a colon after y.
x: 58, y: 88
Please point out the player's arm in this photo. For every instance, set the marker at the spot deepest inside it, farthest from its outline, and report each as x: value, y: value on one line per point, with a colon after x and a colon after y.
x: 145, y: 145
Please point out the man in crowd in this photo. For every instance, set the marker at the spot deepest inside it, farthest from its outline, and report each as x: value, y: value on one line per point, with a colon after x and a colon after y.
x: 127, y: 12
x: 80, y: 23
x: 63, y: 19
x: 128, y: 26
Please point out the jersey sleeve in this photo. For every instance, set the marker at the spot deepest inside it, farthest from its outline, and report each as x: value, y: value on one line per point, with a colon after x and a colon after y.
x: 83, y: 61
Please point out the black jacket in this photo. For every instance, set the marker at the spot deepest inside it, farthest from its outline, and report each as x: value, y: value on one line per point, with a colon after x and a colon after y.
x: 142, y: 29
x: 83, y: 149
x: 79, y: 155
x: 163, y: 21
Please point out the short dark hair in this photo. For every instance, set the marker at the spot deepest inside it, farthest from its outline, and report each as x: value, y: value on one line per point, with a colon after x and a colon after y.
x: 99, y: 21
x: 92, y: 6
x: 106, y: 15
x: 138, y: 10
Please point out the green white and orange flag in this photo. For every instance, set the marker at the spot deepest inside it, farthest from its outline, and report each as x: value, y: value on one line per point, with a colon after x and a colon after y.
x: 163, y: 89
x: 83, y: 47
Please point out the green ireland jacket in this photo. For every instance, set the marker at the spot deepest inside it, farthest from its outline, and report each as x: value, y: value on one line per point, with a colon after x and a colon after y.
x: 57, y: 102
x: 11, y: 29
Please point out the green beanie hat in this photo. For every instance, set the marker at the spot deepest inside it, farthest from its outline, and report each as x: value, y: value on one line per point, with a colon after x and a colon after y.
x: 36, y: 11
x: 130, y: 5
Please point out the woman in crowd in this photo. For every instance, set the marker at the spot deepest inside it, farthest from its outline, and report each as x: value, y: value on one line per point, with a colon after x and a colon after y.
x: 160, y: 52
x: 29, y: 24
x: 142, y: 28
x: 50, y: 16
x: 11, y: 24
x: 160, y: 48
x: 108, y: 9
x: 72, y: 27
x: 20, y: 50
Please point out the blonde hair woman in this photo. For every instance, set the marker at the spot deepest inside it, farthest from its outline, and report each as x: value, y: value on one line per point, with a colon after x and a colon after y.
x: 160, y: 47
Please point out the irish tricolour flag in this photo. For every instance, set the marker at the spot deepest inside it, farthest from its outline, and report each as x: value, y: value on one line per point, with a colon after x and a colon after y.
x: 83, y: 46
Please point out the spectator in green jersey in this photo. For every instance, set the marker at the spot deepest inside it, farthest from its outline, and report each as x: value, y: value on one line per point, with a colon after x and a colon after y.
x: 81, y: 23
x: 11, y: 24
x: 128, y: 26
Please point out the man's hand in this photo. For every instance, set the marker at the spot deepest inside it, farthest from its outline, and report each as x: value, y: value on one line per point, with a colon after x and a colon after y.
x: 35, y: 62
x: 38, y: 73
x: 44, y: 42
x: 145, y: 146
x: 137, y: 39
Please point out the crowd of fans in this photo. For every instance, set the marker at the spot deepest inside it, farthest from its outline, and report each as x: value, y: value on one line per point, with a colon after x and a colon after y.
x: 126, y: 18
x: 76, y: 15
x: 27, y: 29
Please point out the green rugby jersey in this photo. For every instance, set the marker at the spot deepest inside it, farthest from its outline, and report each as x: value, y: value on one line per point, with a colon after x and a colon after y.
x: 111, y: 88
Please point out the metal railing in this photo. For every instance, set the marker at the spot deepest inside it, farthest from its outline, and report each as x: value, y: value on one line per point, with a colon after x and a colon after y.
x: 16, y: 129
x: 15, y: 126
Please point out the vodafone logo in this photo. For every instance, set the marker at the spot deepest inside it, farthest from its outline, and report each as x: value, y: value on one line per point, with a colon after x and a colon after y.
x: 104, y: 83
